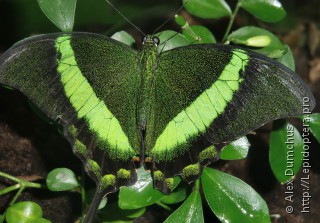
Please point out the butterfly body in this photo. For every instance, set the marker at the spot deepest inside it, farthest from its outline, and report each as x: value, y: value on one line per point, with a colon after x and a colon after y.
x: 146, y: 67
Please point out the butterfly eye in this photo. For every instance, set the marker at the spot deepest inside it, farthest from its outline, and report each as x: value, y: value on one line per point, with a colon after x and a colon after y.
x: 144, y: 40
x: 155, y: 40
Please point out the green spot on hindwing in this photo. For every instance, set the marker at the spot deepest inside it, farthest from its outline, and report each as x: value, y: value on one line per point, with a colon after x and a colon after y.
x: 123, y: 174
x: 80, y: 148
x: 191, y: 170
x: 158, y: 175
x: 107, y: 181
x: 73, y: 131
x: 169, y: 183
x: 208, y: 154
x: 195, y: 119
x: 101, y: 122
x: 94, y: 167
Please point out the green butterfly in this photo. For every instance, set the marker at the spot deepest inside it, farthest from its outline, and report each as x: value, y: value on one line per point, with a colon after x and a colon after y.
x: 171, y: 112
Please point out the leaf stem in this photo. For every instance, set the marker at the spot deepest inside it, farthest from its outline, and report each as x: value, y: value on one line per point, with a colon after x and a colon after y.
x: 5, y: 175
x: 21, y: 185
x: 233, y: 16
x: 16, y: 196
x: 9, y: 189
x: 164, y: 206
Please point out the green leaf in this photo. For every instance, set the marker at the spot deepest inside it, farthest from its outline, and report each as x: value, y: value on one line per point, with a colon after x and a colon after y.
x: 90, y: 195
x: 207, y: 9
x: 274, y: 49
x: 23, y: 212
x: 170, y: 39
x: 285, y: 155
x: 315, y: 125
x: 237, y: 149
x: 124, y: 37
x: 287, y: 59
x: 112, y: 213
x: 231, y: 199
x: 142, y: 193
x: 265, y: 10
x: 60, y: 12
x: 180, y: 20
x: 61, y: 179
x: 176, y: 196
x: 40, y: 220
x: 190, y: 211
x: 199, y: 35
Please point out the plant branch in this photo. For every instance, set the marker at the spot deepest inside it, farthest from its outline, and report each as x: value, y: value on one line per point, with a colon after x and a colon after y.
x: 233, y: 16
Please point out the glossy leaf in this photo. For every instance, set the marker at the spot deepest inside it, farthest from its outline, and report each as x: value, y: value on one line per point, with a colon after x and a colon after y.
x: 275, y: 49
x: 61, y: 179
x: 315, y: 125
x: 40, y: 220
x: 231, y: 199
x: 142, y: 193
x: 180, y: 20
x: 112, y: 213
x: 265, y: 10
x: 285, y: 155
x: 60, y: 12
x: 207, y: 9
x: 176, y: 196
x: 23, y: 212
x: 190, y: 211
x: 287, y: 59
x: 199, y: 35
x: 237, y: 149
x: 124, y: 37
x: 171, y: 39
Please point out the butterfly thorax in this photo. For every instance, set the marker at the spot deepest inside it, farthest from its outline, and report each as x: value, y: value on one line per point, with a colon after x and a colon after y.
x: 147, y: 65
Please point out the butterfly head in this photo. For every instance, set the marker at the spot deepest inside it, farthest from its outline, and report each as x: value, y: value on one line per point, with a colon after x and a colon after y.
x: 151, y: 41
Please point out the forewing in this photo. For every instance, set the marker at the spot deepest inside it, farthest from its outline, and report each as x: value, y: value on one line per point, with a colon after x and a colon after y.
x: 87, y: 83
x: 208, y: 95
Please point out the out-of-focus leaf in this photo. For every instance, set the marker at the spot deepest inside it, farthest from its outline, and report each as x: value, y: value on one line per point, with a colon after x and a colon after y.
x: 265, y: 10
x: 208, y: 9
x: 124, y: 37
x: 61, y: 179
x: 285, y: 154
x: 275, y: 49
x: 287, y: 59
x: 60, y: 12
x: 171, y: 39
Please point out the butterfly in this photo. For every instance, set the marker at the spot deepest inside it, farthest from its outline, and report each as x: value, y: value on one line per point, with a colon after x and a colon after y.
x: 171, y: 112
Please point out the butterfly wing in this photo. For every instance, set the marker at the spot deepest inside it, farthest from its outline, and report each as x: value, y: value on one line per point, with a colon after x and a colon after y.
x: 87, y: 83
x: 209, y: 95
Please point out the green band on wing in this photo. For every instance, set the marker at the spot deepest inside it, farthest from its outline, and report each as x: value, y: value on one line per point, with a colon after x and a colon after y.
x: 198, y: 116
x: 98, y: 117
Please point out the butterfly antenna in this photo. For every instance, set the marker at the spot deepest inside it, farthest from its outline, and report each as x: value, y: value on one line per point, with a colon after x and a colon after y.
x: 165, y: 42
x: 170, y: 18
x: 123, y: 16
